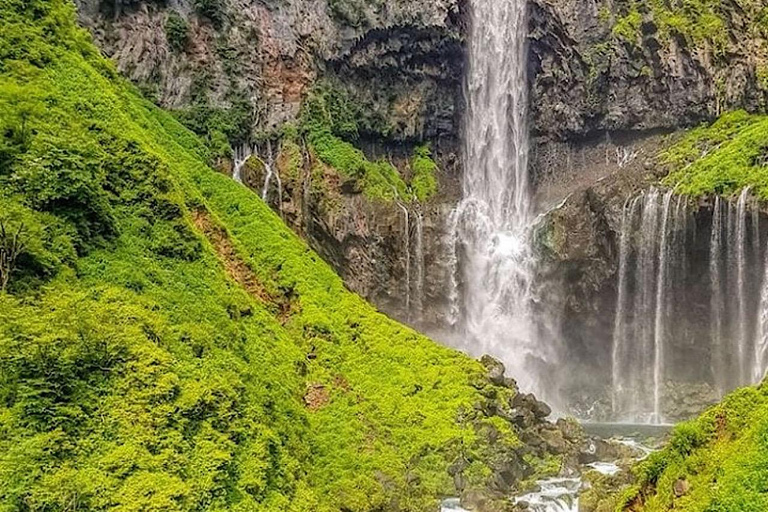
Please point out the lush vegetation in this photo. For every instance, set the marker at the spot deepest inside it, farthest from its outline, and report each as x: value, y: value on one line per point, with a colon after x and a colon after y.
x: 176, y: 31
x: 721, y: 158
x: 718, y: 462
x: 166, y: 343
x: 699, y: 22
x: 424, y: 181
x: 329, y: 122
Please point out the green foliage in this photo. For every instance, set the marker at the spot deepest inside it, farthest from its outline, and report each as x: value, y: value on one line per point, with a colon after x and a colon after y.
x: 722, y: 455
x: 46, y: 243
x: 326, y: 118
x: 141, y: 376
x: 176, y: 31
x: 722, y: 158
x: 424, y: 181
x: 218, y: 126
x: 702, y: 23
x: 214, y: 10
x: 628, y: 27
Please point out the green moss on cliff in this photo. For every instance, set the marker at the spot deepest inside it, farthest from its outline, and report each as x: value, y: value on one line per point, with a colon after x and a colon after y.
x: 424, y: 180
x: 699, y: 22
x: 170, y: 345
x: 721, y: 158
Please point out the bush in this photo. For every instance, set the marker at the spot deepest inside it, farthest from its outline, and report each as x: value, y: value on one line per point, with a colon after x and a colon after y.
x: 214, y: 10
x: 176, y: 31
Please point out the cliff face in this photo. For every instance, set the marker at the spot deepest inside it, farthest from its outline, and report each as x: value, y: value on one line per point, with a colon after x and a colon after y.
x: 402, y: 60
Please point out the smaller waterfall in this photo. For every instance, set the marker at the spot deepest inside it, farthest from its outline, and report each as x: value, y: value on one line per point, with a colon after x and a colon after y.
x: 407, y: 252
x: 242, y: 154
x: 741, y: 263
x: 760, y: 360
x: 419, y: 263
x: 653, y: 234
x: 717, y: 302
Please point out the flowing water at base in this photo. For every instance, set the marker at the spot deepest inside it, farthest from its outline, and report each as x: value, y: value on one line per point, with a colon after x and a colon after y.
x: 561, y: 494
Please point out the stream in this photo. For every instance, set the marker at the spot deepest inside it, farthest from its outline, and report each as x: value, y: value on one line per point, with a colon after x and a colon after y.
x: 561, y: 494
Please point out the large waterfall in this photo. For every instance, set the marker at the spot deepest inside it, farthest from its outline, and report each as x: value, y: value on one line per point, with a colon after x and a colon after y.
x: 493, y: 294
x: 691, y: 306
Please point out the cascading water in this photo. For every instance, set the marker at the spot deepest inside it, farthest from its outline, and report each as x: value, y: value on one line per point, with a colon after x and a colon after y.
x: 407, y: 252
x: 651, y: 242
x: 736, y: 325
x: 242, y: 154
x: 418, y: 260
x: 669, y: 323
x: 492, y: 294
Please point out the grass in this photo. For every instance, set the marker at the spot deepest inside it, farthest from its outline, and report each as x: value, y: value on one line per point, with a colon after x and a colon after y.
x: 722, y: 456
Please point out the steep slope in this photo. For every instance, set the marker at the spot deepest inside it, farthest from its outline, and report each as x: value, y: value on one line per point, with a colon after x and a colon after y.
x: 166, y: 343
x: 716, y: 462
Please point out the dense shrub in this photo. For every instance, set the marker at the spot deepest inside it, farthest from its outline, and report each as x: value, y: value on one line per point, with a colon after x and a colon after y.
x: 214, y: 10
x: 176, y: 31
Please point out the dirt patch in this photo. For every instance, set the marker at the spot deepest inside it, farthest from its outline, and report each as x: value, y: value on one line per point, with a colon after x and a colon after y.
x: 316, y: 397
x: 238, y: 270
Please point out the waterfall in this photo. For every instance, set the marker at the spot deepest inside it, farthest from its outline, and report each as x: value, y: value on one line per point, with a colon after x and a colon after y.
x: 418, y: 259
x: 407, y: 252
x: 741, y: 293
x: 651, y: 242
x: 662, y: 289
x: 717, y: 303
x: 761, y: 334
x: 492, y: 291
x: 666, y: 314
x: 268, y: 171
x: 242, y: 154
x: 622, y: 314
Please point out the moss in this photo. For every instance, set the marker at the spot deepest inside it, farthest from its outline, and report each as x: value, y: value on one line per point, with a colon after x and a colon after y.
x: 627, y: 27
x: 702, y: 23
x: 721, y: 158
x: 424, y: 180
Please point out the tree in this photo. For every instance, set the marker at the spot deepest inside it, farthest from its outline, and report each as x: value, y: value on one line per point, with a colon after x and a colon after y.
x: 12, y: 244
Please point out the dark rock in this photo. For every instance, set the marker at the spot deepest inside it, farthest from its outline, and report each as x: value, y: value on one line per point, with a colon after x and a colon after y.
x: 495, y: 369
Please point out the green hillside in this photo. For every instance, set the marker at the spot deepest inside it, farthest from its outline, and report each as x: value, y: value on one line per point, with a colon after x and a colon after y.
x: 166, y: 343
x: 716, y: 462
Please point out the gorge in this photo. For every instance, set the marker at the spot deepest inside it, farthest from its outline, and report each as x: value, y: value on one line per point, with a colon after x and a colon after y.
x: 230, y: 231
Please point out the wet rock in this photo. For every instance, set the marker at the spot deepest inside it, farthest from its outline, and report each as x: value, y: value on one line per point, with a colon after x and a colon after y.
x: 554, y: 440
x: 495, y: 369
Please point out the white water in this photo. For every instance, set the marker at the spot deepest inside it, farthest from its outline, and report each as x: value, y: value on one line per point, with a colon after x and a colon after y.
x: 555, y: 495
x: 663, y: 302
x: 418, y: 260
x: 407, y: 252
x: 492, y: 290
x: 656, y: 224
x: 717, y: 303
x: 741, y: 262
x: 760, y: 358
x: 242, y: 154
x: 737, y: 305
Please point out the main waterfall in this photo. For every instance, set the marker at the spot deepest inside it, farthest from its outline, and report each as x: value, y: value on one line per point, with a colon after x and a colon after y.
x: 492, y: 296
